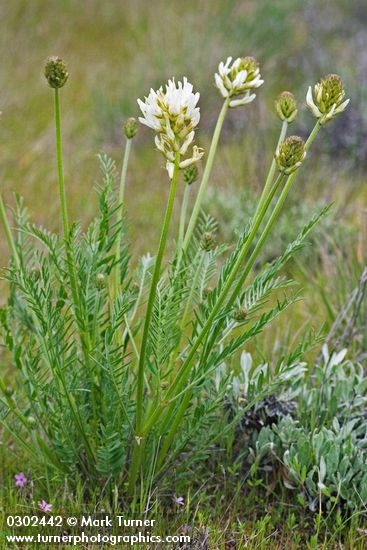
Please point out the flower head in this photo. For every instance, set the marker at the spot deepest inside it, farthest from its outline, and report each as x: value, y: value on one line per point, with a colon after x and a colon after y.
x: 56, y: 72
x: 327, y: 99
x: 174, y: 115
x: 238, y: 78
x: 20, y: 479
x: 286, y: 106
x: 180, y: 501
x: 131, y: 127
x: 290, y: 154
x: 44, y: 506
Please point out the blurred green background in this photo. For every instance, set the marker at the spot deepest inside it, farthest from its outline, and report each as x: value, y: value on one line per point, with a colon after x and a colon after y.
x: 117, y: 50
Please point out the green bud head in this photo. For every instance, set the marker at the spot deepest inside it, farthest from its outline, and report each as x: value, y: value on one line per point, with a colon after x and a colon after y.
x: 56, y: 72
x: 207, y: 242
x: 100, y: 281
x: 286, y: 107
x: 131, y: 127
x: 190, y: 174
x: 248, y: 64
x: 332, y: 91
x: 290, y: 154
x: 240, y: 314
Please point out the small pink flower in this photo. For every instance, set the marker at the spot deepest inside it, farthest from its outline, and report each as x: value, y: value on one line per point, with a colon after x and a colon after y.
x: 44, y: 506
x: 20, y: 479
x: 178, y: 500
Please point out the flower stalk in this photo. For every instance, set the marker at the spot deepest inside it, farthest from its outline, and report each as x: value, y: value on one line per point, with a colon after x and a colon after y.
x: 184, y: 371
x: 121, y: 198
x: 270, y: 176
x: 148, y: 318
x: 237, y: 289
x: 206, y: 175
x: 183, y: 213
x: 235, y: 79
x: 60, y: 169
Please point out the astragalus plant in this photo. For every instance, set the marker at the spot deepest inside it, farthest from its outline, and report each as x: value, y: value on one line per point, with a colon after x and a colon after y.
x: 117, y: 365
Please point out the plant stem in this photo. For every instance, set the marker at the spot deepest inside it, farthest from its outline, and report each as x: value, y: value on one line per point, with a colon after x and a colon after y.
x: 64, y: 210
x: 187, y: 309
x: 312, y: 135
x: 274, y: 215
x: 181, y: 228
x: 63, y: 204
x: 8, y: 233
x: 271, y: 173
x: 125, y: 163
x: 152, y: 294
x: 206, y: 175
x: 181, y: 410
x: 148, y: 316
x: 184, y: 370
x: 265, y: 233
x: 84, y: 335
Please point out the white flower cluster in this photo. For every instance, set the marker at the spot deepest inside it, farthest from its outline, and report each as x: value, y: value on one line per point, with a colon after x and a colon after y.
x: 327, y: 99
x: 240, y: 77
x: 174, y: 115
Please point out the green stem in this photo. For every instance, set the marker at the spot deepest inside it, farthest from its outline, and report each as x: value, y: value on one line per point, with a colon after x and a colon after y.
x: 274, y: 215
x: 64, y: 210
x: 262, y: 239
x: 181, y: 228
x: 84, y: 335
x: 176, y: 423
x: 184, y: 370
x: 271, y: 173
x: 186, y: 311
x: 271, y: 220
x: 8, y: 233
x: 312, y: 135
x: 206, y: 175
x: 181, y: 410
x: 148, y: 316
x: 264, y: 235
x: 125, y: 163
x: 63, y: 204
